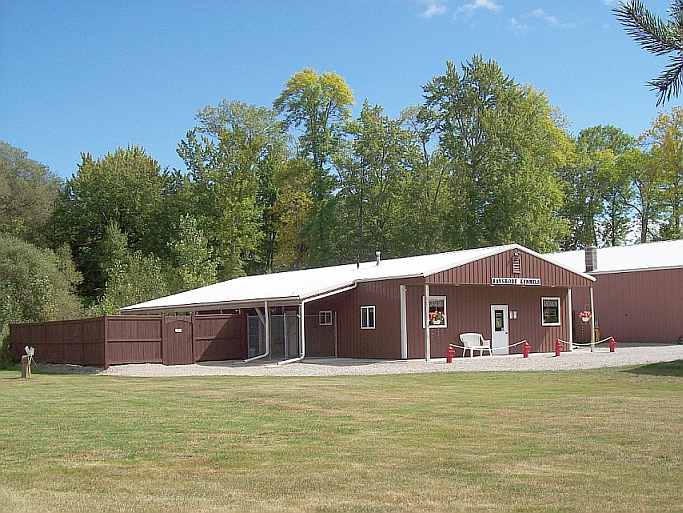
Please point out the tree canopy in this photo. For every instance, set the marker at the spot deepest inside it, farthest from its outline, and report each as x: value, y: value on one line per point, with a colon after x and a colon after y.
x: 504, y: 148
x: 28, y: 191
x: 484, y: 160
x: 125, y: 188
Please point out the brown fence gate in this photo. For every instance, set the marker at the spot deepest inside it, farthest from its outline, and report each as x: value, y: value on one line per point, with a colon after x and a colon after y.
x: 177, y: 348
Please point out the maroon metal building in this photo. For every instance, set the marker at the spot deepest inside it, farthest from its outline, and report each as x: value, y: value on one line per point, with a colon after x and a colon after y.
x: 378, y: 309
x: 638, y: 291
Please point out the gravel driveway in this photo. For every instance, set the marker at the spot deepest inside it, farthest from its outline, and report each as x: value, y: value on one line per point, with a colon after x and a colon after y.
x: 625, y: 355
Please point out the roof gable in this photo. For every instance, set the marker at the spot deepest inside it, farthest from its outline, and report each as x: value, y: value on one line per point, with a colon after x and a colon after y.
x: 531, y: 266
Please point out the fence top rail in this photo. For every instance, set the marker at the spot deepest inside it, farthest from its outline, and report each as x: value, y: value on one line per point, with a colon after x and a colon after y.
x: 55, y: 322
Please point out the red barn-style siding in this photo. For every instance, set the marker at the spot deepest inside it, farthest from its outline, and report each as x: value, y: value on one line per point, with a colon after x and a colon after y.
x: 468, y: 309
x: 636, y: 306
x: 638, y: 292
x: 471, y: 282
x: 481, y: 272
x: 353, y: 342
x: 469, y: 296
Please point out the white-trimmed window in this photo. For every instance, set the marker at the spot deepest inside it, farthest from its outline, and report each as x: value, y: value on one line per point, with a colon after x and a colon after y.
x: 437, y: 312
x: 367, y: 317
x: 325, y: 317
x: 550, y: 311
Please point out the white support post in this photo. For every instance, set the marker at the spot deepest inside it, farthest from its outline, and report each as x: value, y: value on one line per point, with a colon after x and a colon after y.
x: 302, y: 334
x: 404, y: 324
x: 267, y: 323
x: 284, y: 332
x: 592, y: 321
x: 426, y: 318
x: 570, y: 319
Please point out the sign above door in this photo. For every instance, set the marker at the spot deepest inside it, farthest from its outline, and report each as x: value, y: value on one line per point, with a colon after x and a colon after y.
x: 516, y: 281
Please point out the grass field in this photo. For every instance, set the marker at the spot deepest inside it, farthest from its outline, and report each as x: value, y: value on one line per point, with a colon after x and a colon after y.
x: 600, y: 440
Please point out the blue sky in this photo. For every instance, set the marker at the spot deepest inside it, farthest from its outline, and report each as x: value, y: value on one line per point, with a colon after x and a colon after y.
x: 92, y: 76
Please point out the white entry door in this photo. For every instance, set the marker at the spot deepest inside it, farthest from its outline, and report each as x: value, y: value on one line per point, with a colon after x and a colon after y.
x: 500, y: 338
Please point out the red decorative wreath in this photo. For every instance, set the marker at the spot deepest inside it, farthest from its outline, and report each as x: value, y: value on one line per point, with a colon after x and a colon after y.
x: 586, y: 315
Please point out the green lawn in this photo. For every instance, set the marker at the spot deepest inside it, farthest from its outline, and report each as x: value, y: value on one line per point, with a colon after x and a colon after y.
x: 600, y: 440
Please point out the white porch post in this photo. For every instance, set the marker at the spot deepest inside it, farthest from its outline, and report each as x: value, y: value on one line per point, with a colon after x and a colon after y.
x: 570, y: 319
x: 426, y: 318
x: 302, y: 329
x: 265, y: 319
x: 592, y: 321
x: 267, y: 323
x: 404, y: 324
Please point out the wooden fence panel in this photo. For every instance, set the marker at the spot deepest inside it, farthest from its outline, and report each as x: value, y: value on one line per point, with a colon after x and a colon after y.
x: 77, y: 342
x: 121, y: 339
x: 92, y: 337
x: 133, y: 339
x: 220, y: 337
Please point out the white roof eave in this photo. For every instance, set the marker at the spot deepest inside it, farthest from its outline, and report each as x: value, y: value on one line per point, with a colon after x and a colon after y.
x: 296, y: 287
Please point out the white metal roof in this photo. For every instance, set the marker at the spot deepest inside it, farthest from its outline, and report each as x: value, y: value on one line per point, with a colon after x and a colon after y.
x: 295, y: 286
x: 653, y: 255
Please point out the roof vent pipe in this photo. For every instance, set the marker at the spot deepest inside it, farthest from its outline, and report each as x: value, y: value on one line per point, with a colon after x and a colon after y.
x: 378, y: 254
x: 591, y: 258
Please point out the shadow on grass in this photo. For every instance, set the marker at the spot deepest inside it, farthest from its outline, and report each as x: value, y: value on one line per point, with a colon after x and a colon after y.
x: 674, y: 368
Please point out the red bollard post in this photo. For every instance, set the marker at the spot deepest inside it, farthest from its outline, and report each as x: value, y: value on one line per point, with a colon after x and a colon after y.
x: 612, y: 344
x: 450, y: 353
x: 558, y: 347
x: 527, y: 349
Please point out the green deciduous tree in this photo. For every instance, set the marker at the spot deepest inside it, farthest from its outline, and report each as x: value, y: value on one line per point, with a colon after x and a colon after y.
x: 505, y: 146
x: 132, y: 277
x: 291, y: 211
x: 660, y: 38
x: 372, y: 174
x: 232, y: 155
x: 192, y: 265
x: 319, y: 106
x: 125, y: 187
x: 597, y: 190
x: 28, y: 191
x: 424, y: 194
x: 646, y: 183
x: 665, y: 140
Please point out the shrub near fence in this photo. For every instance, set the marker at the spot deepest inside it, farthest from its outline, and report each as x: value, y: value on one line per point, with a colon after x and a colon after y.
x: 120, y: 339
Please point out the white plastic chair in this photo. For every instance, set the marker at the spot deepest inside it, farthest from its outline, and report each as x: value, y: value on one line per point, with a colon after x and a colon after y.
x: 473, y: 342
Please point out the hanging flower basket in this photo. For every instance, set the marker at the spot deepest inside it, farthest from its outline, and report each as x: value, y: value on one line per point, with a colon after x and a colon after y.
x: 436, y: 317
x: 586, y: 315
